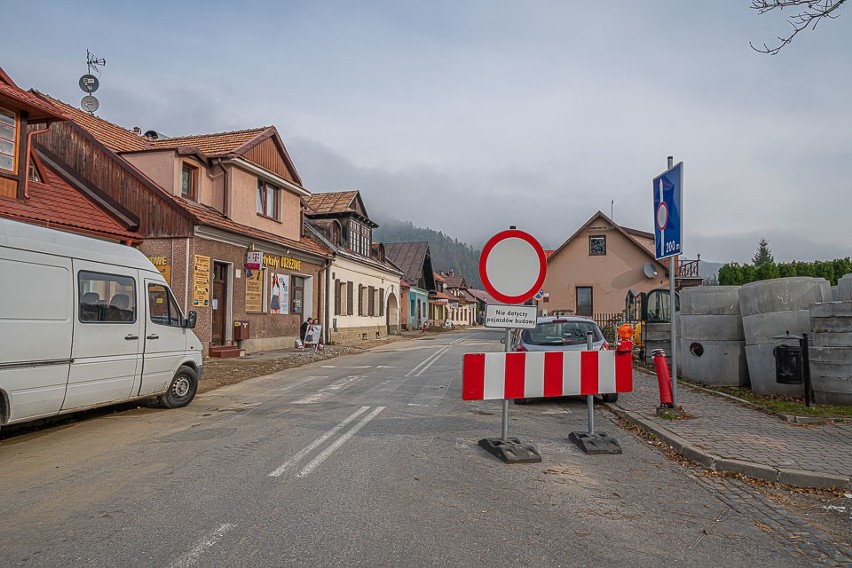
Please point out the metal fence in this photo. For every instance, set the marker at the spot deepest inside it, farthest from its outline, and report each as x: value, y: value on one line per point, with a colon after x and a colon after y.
x: 608, y: 322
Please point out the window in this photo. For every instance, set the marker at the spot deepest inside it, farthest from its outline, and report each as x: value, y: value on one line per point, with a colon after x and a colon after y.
x: 371, y: 301
x: 338, y: 298
x: 162, y: 306
x: 106, y: 298
x: 381, y: 301
x: 33, y: 172
x: 597, y: 245
x: 584, y: 301
x: 189, y: 182
x: 350, y: 304
x: 267, y: 200
x: 359, y: 238
x: 8, y: 138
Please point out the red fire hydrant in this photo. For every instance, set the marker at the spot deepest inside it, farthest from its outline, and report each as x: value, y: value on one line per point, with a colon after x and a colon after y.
x: 664, y: 377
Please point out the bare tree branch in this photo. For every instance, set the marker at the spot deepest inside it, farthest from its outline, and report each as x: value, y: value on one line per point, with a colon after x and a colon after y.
x: 810, y: 13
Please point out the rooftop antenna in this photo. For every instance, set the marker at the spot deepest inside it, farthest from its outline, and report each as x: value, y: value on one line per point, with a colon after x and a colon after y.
x: 89, y: 83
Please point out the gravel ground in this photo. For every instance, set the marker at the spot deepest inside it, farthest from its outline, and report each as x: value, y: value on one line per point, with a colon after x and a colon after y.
x: 222, y: 372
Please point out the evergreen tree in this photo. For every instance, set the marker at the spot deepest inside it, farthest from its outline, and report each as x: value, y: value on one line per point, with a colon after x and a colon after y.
x: 763, y: 254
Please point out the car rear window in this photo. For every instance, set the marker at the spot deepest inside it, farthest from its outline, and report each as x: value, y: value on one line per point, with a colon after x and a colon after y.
x: 561, y: 333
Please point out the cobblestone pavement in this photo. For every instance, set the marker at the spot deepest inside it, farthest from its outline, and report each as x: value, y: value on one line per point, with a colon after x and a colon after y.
x: 727, y: 436
x: 815, y: 547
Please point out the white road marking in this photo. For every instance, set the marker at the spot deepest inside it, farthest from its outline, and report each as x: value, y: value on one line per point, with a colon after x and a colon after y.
x: 193, y: 555
x: 318, y: 442
x: 308, y: 378
x: 328, y: 390
x: 437, y: 356
x: 329, y: 366
x: 427, y: 361
x: 337, y: 443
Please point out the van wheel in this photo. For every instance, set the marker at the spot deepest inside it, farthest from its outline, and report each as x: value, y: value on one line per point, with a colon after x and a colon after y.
x: 610, y: 397
x: 521, y: 400
x: 181, y: 390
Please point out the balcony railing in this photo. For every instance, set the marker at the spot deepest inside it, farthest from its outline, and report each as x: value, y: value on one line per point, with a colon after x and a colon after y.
x: 689, y: 268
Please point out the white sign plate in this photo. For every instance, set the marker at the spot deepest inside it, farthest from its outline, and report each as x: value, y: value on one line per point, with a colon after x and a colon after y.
x: 522, y: 317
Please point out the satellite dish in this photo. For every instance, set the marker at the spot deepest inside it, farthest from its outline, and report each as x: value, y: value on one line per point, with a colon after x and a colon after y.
x: 90, y: 103
x: 649, y: 270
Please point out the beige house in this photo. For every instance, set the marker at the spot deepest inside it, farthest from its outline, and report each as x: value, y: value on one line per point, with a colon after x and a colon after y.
x: 364, y: 287
x: 593, y: 271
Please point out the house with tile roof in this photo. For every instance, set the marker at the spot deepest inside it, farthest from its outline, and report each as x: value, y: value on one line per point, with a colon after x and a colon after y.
x: 364, y: 285
x: 415, y: 261
x: 463, y: 306
x: 36, y: 190
x: 593, y: 271
x: 202, y: 204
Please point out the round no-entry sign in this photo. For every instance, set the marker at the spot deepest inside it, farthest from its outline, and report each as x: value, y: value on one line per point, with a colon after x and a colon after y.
x: 512, y: 266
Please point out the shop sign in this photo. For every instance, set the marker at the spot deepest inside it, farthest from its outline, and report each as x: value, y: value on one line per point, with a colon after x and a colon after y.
x: 254, y: 259
x: 162, y: 264
x: 201, y: 281
x: 281, y: 262
x: 254, y: 291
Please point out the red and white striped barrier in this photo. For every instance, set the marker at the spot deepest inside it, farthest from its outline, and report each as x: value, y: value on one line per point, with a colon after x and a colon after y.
x: 489, y: 376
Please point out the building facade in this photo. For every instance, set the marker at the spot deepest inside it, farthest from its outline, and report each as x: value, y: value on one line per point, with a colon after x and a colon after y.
x: 364, y: 286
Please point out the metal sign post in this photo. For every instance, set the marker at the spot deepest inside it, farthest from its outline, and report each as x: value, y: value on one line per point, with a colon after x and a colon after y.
x: 512, y: 267
x: 668, y: 237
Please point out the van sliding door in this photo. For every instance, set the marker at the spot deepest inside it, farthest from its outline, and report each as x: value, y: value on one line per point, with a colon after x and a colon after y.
x: 107, y: 349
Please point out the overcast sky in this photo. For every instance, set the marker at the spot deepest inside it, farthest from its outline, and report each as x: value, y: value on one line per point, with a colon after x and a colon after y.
x: 468, y: 116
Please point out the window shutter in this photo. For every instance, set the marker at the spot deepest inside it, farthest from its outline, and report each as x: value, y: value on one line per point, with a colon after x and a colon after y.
x: 360, y: 300
x: 350, y: 288
x: 371, y: 301
x: 381, y: 301
x: 337, y: 297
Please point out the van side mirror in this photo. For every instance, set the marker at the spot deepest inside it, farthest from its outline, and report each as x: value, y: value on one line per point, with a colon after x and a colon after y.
x: 189, y: 322
x: 503, y: 340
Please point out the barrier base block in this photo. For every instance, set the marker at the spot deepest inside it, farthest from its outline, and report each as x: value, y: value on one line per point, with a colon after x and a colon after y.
x: 597, y: 443
x: 511, y: 450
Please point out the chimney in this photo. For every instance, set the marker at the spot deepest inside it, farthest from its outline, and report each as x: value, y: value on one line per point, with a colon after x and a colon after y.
x: 137, y: 131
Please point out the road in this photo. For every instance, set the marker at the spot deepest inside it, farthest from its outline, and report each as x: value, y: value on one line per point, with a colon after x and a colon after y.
x: 367, y: 460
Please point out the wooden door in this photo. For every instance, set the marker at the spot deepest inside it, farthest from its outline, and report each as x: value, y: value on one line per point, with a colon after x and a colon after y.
x: 219, y: 302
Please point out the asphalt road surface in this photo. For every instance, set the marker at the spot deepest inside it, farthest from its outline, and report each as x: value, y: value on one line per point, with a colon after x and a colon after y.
x: 367, y: 460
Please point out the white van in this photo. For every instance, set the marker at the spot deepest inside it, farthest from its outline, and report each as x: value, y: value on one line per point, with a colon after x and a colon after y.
x: 85, y: 323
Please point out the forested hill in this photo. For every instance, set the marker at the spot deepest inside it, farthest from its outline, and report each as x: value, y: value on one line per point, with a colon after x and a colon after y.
x: 447, y: 253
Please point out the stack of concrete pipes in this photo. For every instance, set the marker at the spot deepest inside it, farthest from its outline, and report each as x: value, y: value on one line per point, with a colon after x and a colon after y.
x: 712, y: 341
x: 831, y: 351
x: 771, y: 308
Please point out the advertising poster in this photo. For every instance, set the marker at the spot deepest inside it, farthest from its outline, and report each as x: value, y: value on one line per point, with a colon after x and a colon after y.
x: 313, y: 334
x: 279, y: 300
x: 254, y: 291
x: 201, y: 281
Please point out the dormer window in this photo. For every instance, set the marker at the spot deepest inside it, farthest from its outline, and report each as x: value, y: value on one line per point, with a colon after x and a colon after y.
x: 267, y: 200
x: 8, y: 139
x: 189, y: 181
x: 360, y: 238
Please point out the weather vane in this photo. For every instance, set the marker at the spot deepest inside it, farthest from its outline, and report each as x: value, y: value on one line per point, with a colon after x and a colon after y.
x: 89, y: 83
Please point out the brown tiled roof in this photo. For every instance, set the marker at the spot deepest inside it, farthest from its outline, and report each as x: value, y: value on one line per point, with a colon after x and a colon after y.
x: 481, y: 295
x: 55, y: 203
x: 121, y: 140
x: 410, y: 257
x: 112, y: 136
x: 333, y: 202
x: 37, y: 108
x: 216, y: 144
x: 439, y: 278
x: 213, y: 218
x: 454, y: 281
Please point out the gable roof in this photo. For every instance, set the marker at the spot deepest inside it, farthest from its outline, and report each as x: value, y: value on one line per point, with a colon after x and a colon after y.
x: 454, y: 281
x: 482, y: 296
x: 232, y: 144
x: 55, y: 202
x: 337, y: 203
x: 36, y: 108
x: 627, y: 232
x: 412, y: 259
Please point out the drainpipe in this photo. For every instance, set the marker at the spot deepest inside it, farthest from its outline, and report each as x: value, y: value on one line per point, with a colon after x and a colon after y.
x: 226, y: 205
x: 27, y: 158
x: 326, y: 298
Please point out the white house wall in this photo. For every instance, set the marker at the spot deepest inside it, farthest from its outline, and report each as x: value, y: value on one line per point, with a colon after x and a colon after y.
x: 347, y: 328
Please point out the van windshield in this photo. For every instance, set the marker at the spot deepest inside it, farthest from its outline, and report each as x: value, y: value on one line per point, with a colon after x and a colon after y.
x: 561, y: 333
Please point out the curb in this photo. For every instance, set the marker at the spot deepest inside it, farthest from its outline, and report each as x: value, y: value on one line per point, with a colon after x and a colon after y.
x: 798, y: 478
